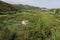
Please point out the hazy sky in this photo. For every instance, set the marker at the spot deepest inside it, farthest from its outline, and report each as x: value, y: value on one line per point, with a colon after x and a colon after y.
x: 39, y: 3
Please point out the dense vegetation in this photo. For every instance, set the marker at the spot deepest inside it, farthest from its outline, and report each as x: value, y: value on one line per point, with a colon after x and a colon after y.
x: 6, y: 7
x: 42, y: 25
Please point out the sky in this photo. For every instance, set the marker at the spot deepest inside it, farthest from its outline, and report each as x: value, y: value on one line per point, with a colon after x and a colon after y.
x: 38, y: 3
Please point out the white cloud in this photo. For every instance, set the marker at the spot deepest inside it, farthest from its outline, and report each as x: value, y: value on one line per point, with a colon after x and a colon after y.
x: 23, y: 0
x: 2, y: 0
x: 15, y: 0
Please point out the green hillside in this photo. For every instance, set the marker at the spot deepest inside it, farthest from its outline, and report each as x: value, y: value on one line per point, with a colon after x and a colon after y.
x: 22, y: 7
x: 16, y: 7
x: 6, y: 7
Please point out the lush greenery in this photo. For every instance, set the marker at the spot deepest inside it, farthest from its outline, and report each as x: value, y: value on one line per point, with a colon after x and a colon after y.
x: 42, y: 25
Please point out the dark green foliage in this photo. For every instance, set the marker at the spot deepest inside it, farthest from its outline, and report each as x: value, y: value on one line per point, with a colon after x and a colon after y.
x: 6, y: 8
x: 13, y: 36
x: 57, y: 13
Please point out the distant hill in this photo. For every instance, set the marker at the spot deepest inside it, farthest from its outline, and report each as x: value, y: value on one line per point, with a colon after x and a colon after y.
x: 6, y: 7
x: 13, y: 7
x: 25, y: 7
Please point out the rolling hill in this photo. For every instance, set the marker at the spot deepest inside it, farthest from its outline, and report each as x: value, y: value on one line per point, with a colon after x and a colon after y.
x: 6, y: 7
x: 15, y: 7
x: 25, y: 7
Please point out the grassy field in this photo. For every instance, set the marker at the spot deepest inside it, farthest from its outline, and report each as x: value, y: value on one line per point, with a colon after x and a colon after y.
x: 41, y: 26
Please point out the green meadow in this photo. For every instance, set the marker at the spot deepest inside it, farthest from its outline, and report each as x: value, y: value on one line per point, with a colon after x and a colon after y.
x: 41, y: 26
